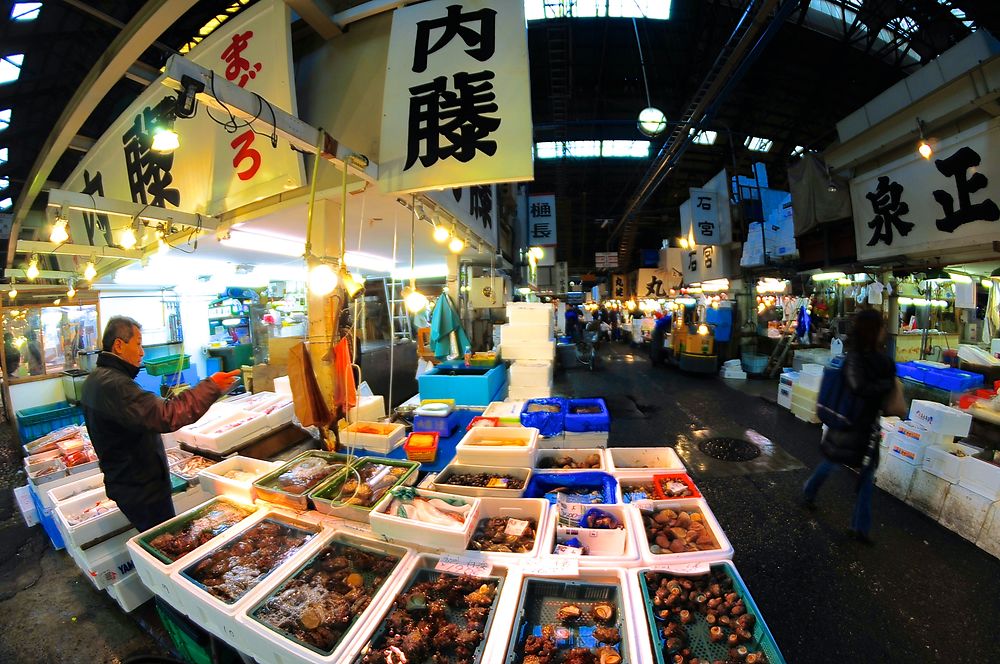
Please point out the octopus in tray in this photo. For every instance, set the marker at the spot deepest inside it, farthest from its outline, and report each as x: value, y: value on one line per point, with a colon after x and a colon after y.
x: 305, y: 474
x: 192, y: 534
x: 495, y: 534
x: 318, y: 605
x: 375, y: 480
x: 567, y: 462
x: 438, y: 621
x: 231, y: 571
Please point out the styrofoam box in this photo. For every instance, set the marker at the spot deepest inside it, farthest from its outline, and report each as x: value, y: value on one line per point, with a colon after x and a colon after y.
x: 530, y: 313
x: 895, y: 476
x: 53, y: 497
x: 575, y: 454
x: 989, y: 536
x: 939, y: 460
x: 980, y: 476
x: 130, y: 593
x: 886, y: 426
x: 641, y: 458
x: 106, y: 563
x: 525, y: 393
x: 916, y: 432
x: 642, y: 476
x: 927, y: 493
x: 215, y: 413
x: 518, y: 456
x: 523, y: 474
x: 520, y: 334
x: 270, y: 647
x: 508, y: 412
x: 505, y: 609
x: 210, y: 438
x: 185, y: 500
x: 965, y: 512
x: 277, y: 408
x: 214, y: 482
x: 810, y: 379
x: 905, y: 448
x: 574, y: 440
x: 531, y: 372
x: 374, y: 442
x: 369, y: 409
x: 534, y: 350
x: 22, y: 496
x: 939, y: 418
x: 724, y: 552
x: 156, y: 574
x: 618, y: 548
x: 785, y: 396
x: 515, y: 508
x: 212, y: 613
x: 91, y: 529
x: 412, y: 532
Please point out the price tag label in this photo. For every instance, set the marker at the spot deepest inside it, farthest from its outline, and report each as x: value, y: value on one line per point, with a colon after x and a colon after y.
x: 515, y: 527
x: 497, y: 483
x: 644, y: 505
x: 564, y: 550
x: 556, y: 566
x: 464, y: 565
x: 570, y: 513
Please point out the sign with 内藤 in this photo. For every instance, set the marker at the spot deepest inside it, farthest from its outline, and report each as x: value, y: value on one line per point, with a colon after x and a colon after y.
x: 475, y: 207
x: 456, y: 109
x: 541, y: 220
x: 220, y: 164
x: 916, y: 206
x: 703, y: 218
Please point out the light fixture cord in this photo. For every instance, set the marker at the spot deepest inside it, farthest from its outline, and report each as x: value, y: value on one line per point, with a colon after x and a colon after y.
x: 642, y: 62
x: 392, y: 305
x: 343, y: 216
x: 312, y: 197
x: 413, y: 235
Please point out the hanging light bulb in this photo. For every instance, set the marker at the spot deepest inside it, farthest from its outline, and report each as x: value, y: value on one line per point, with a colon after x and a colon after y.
x: 165, y: 140
x: 59, y: 233
x: 12, y: 293
x: 32, y: 271
x: 71, y: 291
x: 456, y: 245
x: 57, y: 301
x: 414, y: 300
x: 925, y: 149
x: 441, y: 234
x: 322, y: 279
x: 537, y: 252
x: 127, y: 239
x: 89, y: 272
x: 353, y: 285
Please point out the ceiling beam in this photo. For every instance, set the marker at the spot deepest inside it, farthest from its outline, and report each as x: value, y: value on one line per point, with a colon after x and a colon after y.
x: 80, y: 143
x: 42, y: 274
x: 316, y: 13
x: 37, y: 247
x: 152, y: 19
x: 142, y: 73
x: 60, y: 198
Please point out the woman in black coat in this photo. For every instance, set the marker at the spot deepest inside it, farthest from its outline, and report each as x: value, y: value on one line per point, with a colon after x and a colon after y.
x: 871, y: 375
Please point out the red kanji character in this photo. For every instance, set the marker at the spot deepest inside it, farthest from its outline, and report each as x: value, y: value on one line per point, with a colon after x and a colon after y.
x: 237, y: 63
x: 242, y: 144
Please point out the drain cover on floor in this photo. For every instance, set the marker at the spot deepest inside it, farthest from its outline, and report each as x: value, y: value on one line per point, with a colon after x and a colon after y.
x: 729, y: 449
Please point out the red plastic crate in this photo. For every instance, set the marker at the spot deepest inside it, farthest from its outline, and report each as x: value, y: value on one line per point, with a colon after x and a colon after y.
x: 680, y: 477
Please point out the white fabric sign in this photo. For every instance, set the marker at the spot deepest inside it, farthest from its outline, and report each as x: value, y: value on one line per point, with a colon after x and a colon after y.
x: 457, y: 104
x: 915, y: 207
x: 703, y: 211
x: 652, y: 283
x: 475, y: 207
x: 561, y: 277
x: 541, y: 220
x: 705, y: 263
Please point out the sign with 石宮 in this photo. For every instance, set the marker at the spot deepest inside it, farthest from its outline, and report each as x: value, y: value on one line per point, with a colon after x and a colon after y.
x: 916, y: 206
x: 456, y: 109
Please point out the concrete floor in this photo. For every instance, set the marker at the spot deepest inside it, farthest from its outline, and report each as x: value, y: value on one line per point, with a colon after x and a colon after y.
x: 921, y: 594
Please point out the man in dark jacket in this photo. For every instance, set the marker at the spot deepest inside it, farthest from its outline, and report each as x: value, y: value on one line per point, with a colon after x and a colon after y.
x: 125, y: 423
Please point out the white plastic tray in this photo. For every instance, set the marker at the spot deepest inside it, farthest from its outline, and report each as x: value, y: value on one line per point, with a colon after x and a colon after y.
x: 643, y: 458
x: 517, y: 456
x: 517, y: 508
x: 215, y: 413
x: 106, y: 563
x: 130, y: 593
x: 724, y: 552
x: 980, y: 476
x: 371, y: 441
x: 209, y: 438
x: 480, y: 492
x: 277, y: 408
x: 41, y: 489
x: 574, y: 453
x: 56, y: 495
x: 214, y: 482
x: 91, y: 529
x: 398, y: 529
x: 630, y: 549
x: 635, y: 477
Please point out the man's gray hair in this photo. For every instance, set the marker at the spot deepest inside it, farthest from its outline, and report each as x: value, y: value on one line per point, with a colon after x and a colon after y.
x: 119, y: 327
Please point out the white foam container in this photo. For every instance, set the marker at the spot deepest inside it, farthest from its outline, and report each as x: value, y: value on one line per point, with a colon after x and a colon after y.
x: 724, y: 552
x: 214, y: 482
x: 939, y: 460
x: 531, y: 373
x: 53, y: 497
x: 516, y: 508
x: 215, y: 413
x: 916, y: 432
x: 369, y: 409
x: 26, y: 506
x: 215, y: 615
x: 270, y: 647
x: 965, y: 511
x: 280, y: 406
x: 895, y: 476
x: 533, y: 350
x: 529, y: 392
x: 517, y: 456
x: 938, y: 418
x: 523, y: 474
x: 130, y: 593
x: 48, y: 480
x: 156, y: 574
x: 106, y: 563
x: 905, y: 448
x: 643, y: 458
x: 980, y: 476
x: 508, y: 412
x: 185, y: 500
x: 417, y: 533
x: 374, y: 442
x: 531, y: 313
x: 521, y: 334
x: 927, y: 493
x: 206, y: 438
x: 989, y: 536
x: 575, y: 454
x: 574, y: 440
x: 623, y: 538
x: 91, y: 529
x: 635, y: 477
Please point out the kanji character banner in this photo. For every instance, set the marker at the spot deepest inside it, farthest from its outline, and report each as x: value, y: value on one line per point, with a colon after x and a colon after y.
x: 542, y: 220
x: 214, y: 169
x: 475, y: 207
x: 705, y: 226
x: 916, y: 206
x: 457, y: 108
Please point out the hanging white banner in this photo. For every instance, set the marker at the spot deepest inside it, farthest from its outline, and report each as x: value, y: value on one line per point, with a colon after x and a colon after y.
x: 706, y: 263
x: 475, y: 207
x: 703, y: 218
x: 456, y: 109
x: 213, y: 170
x: 916, y: 206
x: 542, y: 220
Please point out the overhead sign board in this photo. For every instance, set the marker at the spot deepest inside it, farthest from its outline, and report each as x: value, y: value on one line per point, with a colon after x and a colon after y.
x: 541, y: 220
x: 705, y: 224
x: 456, y: 107
x: 474, y: 207
x: 606, y: 259
x: 705, y: 263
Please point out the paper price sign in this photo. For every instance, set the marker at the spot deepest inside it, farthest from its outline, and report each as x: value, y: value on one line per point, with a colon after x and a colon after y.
x: 568, y: 566
x: 516, y: 527
x: 463, y: 565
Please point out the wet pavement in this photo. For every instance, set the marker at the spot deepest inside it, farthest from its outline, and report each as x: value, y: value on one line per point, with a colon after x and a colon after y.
x: 920, y: 594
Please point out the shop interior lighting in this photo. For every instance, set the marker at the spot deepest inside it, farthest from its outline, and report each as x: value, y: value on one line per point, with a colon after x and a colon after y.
x: 904, y: 301
x: 682, y: 242
x: 441, y: 234
x: 537, y: 252
x: 703, y: 330
x: 715, y: 285
x: 71, y: 291
x: 322, y: 279
x: 12, y: 293
x: 90, y: 271
x: 652, y: 122
x: 165, y: 140
x: 772, y: 285
x: 959, y: 278
x: 924, y: 148
x: 264, y: 243
x: 57, y: 301
x: 828, y: 276
x: 127, y: 239
x: 860, y: 277
x: 59, y: 234
x: 456, y: 245
x: 686, y: 301
x: 32, y: 271
x: 351, y: 284
x: 986, y: 283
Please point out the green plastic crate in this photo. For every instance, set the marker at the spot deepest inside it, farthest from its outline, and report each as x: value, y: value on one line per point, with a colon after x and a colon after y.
x: 33, y: 423
x: 168, y: 364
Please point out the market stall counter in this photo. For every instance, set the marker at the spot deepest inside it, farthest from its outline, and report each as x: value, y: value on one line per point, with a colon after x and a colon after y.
x: 446, y: 445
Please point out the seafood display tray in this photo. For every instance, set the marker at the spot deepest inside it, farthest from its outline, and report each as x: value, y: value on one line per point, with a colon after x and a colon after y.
x: 426, y: 535
x: 644, y: 458
x: 699, y: 643
x: 215, y: 482
x: 325, y: 495
x: 441, y: 481
x: 630, y: 549
x: 724, y: 552
x: 296, y: 501
x: 576, y: 454
x: 515, y: 508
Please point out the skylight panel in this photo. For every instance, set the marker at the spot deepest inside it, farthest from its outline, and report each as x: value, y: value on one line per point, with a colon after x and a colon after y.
x: 3, y: 156
x: 548, y: 150
x: 6, y: 204
x: 757, y: 144
x: 536, y: 10
x: 704, y: 137
x: 798, y: 151
x: 4, y: 119
x: 10, y: 67
x: 4, y: 183
x: 592, y: 149
x: 25, y: 11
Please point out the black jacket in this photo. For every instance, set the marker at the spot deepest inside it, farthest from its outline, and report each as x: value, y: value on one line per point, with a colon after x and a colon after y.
x: 125, y: 423
x: 871, y: 377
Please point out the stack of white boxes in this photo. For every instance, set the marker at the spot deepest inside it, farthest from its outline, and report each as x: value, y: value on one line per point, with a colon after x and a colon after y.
x: 527, y: 340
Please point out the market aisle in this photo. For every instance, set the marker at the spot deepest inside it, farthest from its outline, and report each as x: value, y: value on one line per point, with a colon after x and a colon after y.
x: 48, y: 611
x: 825, y: 597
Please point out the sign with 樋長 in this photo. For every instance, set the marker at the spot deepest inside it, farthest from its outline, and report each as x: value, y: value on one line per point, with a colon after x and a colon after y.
x: 456, y: 108
x: 542, y: 220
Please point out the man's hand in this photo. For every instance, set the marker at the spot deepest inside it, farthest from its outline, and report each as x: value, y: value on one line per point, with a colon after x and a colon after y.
x: 224, y: 379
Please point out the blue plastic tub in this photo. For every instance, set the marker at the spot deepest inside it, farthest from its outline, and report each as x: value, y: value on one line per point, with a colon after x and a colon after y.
x: 953, y: 380
x: 548, y: 423
x: 442, y: 425
x: 468, y: 386
x: 912, y: 371
x: 581, y: 422
x: 543, y: 485
x: 754, y: 363
x: 47, y: 520
x: 35, y: 422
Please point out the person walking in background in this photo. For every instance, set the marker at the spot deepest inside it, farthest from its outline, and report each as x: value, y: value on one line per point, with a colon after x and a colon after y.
x: 869, y: 374
x: 572, y: 323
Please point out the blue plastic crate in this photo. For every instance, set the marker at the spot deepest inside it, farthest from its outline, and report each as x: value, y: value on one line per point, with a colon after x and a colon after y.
x: 754, y: 363
x: 548, y: 423
x: 468, y: 386
x: 953, y: 380
x: 35, y: 422
x: 542, y: 484
x: 582, y: 422
x: 442, y: 425
x: 47, y: 520
x: 912, y: 371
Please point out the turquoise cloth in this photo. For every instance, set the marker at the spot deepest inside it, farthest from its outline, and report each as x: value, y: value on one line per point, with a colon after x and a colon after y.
x: 444, y: 321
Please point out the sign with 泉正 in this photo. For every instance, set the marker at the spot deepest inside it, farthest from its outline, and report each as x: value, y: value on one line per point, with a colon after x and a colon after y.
x: 215, y: 169
x: 704, y: 217
x: 456, y: 109
x: 916, y: 206
x: 475, y: 207
x: 541, y: 220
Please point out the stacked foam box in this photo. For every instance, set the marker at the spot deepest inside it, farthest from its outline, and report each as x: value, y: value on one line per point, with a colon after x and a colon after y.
x: 786, y: 383
x: 527, y: 340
